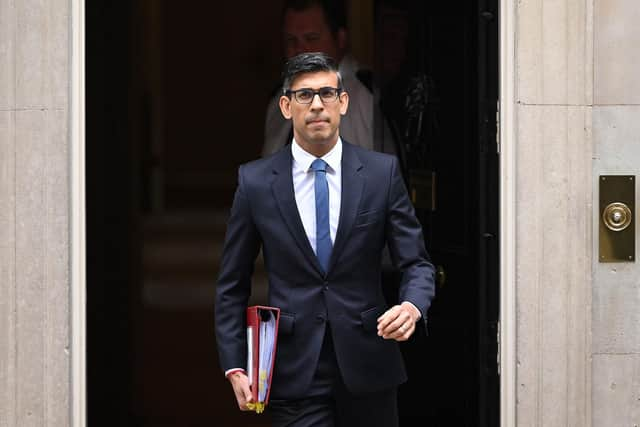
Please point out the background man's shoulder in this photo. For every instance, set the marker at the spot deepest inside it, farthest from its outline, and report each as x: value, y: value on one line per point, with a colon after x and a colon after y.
x: 373, y: 158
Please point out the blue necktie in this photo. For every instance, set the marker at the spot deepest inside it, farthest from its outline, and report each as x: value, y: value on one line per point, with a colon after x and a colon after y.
x: 323, y: 235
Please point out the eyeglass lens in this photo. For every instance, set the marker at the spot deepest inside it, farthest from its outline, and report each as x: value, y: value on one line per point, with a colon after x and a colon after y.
x: 327, y: 94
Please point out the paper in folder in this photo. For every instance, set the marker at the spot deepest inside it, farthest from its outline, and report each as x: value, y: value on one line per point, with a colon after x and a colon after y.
x: 262, y: 338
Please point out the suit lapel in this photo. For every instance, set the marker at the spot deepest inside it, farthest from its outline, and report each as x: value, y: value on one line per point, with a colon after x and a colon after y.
x: 283, y: 192
x: 352, y: 187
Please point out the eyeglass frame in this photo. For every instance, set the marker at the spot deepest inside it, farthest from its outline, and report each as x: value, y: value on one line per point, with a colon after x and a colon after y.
x: 290, y: 92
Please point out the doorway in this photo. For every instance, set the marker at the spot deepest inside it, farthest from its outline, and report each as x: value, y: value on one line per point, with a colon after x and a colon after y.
x: 438, y: 65
x: 161, y: 173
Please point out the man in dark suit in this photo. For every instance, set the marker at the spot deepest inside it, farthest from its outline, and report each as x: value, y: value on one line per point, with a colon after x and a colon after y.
x: 322, y: 210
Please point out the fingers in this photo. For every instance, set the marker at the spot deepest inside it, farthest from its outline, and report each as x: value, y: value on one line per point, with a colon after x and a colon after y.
x: 393, y: 319
x: 240, y: 383
x: 397, y: 324
x: 405, y: 334
x: 402, y: 333
x: 387, y: 317
x: 247, y: 397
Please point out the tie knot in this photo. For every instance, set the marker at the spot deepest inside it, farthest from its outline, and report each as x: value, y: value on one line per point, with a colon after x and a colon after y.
x: 319, y: 165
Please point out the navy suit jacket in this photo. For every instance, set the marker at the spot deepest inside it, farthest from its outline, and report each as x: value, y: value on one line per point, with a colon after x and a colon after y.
x: 375, y: 210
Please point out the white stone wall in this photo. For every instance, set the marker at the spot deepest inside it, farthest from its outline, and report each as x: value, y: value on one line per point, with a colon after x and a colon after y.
x: 34, y: 213
x: 616, y: 139
x: 578, y: 115
x: 554, y: 211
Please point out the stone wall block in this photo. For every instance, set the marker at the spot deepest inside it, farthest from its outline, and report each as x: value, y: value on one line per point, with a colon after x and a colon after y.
x: 616, y: 390
x: 58, y: 50
x: 616, y: 52
x: 7, y: 52
x: 616, y: 133
x: 42, y: 54
x: 579, y: 297
x: 32, y: 66
x: 7, y: 269
x: 42, y: 330
x: 529, y: 231
x: 32, y: 353
x: 554, y: 39
x: 56, y: 265
x: 554, y: 205
x: 616, y: 291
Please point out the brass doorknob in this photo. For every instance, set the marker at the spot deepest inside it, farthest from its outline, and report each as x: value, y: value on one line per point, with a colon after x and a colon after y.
x: 616, y: 216
x: 441, y: 276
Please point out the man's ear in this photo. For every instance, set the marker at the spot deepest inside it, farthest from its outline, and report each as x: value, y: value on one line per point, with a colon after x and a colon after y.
x: 344, y: 103
x: 285, y: 107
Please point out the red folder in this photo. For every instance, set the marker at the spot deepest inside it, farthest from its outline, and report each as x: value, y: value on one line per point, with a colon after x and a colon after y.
x: 257, y: 315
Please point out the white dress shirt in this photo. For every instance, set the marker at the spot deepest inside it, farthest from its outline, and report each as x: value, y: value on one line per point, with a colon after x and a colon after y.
x: 304, y: 188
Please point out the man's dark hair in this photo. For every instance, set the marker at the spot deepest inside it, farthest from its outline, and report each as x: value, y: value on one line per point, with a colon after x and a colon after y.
x: 334, y: 11
x: 312, y: 62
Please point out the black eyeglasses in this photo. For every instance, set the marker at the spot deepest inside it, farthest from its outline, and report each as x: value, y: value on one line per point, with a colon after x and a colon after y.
x: 306, y: 95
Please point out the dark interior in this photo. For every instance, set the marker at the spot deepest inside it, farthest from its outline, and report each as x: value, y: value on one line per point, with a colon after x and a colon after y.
x: 176, y: 94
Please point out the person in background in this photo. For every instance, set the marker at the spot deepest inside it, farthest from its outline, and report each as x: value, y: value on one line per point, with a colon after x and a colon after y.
x: 320, y: 26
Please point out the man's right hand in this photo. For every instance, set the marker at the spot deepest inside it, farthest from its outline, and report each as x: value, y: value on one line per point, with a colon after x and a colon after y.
x: 240, y: 383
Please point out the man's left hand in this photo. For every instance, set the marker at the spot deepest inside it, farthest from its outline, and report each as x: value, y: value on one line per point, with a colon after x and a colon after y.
x: 399, y: 322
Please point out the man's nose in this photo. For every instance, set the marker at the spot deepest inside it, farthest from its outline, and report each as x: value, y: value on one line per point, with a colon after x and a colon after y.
x: 316, y: 102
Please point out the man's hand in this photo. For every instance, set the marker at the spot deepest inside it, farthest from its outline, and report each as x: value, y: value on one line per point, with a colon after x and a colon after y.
x: 399, y: 322
x: 240, y: 383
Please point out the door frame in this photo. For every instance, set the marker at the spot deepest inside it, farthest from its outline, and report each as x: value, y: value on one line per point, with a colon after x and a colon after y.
x: 507, y: 138
x: 507, y: 143
x: 78, y: 239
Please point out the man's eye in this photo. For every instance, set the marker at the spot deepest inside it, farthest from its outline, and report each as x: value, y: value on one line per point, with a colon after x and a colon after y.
x: 327, y: 93
x: 305, y: 95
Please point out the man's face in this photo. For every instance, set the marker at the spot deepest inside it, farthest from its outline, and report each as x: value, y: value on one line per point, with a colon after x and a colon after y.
x: 317, y: 122
x: 307, y: 31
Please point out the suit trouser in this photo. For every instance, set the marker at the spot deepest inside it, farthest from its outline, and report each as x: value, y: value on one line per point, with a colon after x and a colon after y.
x: 328, y: 403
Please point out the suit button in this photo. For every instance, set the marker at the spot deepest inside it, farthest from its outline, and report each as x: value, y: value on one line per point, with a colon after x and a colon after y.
x: 326, y: 286
x: 320, y: 318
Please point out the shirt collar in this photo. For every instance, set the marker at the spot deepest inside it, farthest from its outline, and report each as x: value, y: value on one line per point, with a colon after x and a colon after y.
x: 304, y: 159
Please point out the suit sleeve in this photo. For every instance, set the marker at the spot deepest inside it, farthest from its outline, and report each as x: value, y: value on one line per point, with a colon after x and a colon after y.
x: 241, y: 246
x: 406, y: 244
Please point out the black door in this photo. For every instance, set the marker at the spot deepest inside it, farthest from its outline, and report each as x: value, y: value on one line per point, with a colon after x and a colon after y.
x: 437, y: 67
x: 447, y: 55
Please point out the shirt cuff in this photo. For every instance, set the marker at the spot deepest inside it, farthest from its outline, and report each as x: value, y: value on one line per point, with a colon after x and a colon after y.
x: 415, y: 308
x: 233, y: 371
